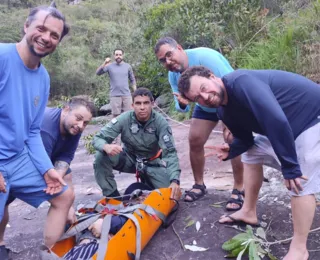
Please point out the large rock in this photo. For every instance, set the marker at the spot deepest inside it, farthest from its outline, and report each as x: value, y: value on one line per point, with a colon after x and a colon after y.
x: 105, y: 110
x: 101, y: 120
x: 164, y: 102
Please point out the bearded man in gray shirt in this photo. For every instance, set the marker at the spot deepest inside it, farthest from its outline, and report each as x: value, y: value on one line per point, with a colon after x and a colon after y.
x: 119, y: 73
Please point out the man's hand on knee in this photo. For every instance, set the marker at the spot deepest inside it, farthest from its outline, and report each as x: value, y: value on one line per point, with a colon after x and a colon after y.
x: 294, y: 184
x: 54, y: 182
x: 221, y: 151
x: 112, y: 149
x: 2, y: 184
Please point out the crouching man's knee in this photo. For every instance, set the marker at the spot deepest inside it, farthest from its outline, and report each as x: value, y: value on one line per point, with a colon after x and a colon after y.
x: 64, y: 200
x: 196, y: 141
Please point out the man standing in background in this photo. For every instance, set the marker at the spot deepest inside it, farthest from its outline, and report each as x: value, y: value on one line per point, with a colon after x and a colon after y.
x: 119, y: 73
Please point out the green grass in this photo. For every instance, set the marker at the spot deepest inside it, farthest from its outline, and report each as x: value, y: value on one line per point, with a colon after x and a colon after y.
x: 283, y: 44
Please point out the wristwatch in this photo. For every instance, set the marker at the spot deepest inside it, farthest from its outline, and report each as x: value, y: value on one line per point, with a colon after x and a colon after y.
x: 175, y: 181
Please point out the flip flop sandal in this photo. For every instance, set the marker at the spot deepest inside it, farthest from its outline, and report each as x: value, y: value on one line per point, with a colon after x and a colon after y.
x: 239, y: 200
x: 194, y: 195
x: 239, y: 222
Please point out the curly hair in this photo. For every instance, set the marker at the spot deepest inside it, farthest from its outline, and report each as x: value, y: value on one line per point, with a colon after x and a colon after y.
x: 184, y: 81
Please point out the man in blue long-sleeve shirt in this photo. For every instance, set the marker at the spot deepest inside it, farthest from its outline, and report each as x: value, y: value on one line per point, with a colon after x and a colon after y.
x: 284, y: 109
x: 204, y: 119
x: 25, y: 168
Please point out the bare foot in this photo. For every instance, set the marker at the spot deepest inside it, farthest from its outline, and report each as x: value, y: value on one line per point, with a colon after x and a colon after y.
x: 250, y: 218
x: 295, y: 254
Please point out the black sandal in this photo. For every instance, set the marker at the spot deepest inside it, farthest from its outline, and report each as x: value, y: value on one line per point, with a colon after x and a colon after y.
x: 194, y: 195
x: 239, y: 200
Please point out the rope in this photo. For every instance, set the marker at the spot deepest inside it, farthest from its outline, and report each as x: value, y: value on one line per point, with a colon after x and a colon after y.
x: 179, y: 123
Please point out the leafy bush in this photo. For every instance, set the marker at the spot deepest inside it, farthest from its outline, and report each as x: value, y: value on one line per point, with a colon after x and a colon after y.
x: 101, y: 99
x: 288, y: 44
x: 150, y: 74
x: 232, y: 27
x: 221, y: 25
x: 88, y: 143
x: 254, y: 245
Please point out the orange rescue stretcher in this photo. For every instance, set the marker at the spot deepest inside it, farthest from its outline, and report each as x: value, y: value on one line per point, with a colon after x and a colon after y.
x: 143, y: 221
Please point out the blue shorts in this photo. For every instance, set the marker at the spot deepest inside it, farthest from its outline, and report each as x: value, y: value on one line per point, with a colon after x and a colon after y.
x: 11, y: 198
x: 199, y: 113
x: 24, y: 181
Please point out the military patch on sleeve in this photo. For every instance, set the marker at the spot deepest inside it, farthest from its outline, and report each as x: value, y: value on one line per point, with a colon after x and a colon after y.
x: 169, y: 130
x: 167, y: 141
x: 166, y: 138
x: 114, y: 121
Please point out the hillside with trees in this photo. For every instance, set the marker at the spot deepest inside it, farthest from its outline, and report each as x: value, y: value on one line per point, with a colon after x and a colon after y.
x: 255, y: 34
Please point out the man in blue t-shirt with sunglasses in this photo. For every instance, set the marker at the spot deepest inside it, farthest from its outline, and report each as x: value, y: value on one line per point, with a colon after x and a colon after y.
x: 176, y: 60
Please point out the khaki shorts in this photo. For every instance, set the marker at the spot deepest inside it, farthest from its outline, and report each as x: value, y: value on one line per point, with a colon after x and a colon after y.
x: 308, y: 152
x: 120, y: 104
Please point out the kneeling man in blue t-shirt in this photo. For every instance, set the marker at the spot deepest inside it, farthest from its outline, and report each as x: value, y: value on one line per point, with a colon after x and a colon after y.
x: 61, y: 130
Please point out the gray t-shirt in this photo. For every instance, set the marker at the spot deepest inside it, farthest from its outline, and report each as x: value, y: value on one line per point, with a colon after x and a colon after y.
x: 119, y: 75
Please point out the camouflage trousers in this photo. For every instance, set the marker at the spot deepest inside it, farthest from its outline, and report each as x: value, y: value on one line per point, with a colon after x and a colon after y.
x: 104, y: 165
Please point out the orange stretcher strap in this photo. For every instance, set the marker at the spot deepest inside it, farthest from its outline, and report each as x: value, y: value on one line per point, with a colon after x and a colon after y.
x: 156, y: 156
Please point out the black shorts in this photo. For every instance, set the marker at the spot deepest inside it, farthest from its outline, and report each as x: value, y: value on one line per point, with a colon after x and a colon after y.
x: 199, y: 113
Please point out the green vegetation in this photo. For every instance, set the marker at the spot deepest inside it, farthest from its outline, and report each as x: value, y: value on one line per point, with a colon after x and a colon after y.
x: 247, y: 243
x: 251, y: 34
x: 88, y: 143
x: 290, y: 43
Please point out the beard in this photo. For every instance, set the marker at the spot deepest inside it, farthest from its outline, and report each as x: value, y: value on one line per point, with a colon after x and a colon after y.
x: 118, y: 60
x: 66, y: 129
x: 216, y: 98
x: 221, y: 95
x: 176, y: 68
x: 69, y: 130
x: 33, y: 51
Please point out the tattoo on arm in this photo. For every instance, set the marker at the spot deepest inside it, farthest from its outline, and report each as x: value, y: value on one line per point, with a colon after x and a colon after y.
x: 61, y: 167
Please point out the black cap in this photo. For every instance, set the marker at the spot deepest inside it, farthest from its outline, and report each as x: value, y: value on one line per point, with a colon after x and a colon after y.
x: 136, y: 186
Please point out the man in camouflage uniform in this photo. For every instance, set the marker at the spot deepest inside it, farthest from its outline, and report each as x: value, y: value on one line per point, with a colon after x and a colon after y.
x: 143, y: 133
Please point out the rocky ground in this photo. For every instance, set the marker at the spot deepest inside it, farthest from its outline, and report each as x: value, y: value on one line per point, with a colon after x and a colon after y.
x: 24, y: 232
